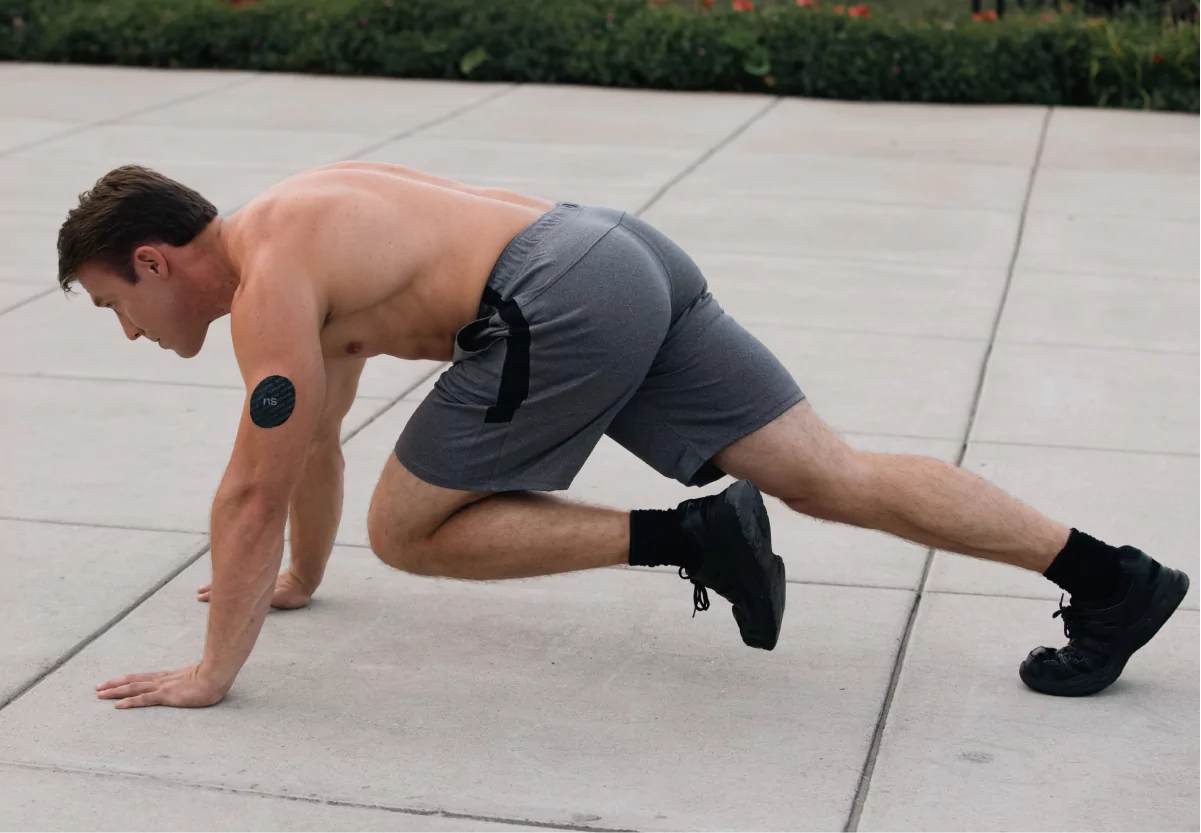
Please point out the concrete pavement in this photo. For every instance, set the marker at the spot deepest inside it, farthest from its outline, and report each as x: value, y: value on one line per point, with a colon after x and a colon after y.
x: 1012, y: 289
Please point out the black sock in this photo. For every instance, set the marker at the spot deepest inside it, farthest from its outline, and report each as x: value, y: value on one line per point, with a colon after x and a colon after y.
x: 655, y: 539
x: 1088, y: 569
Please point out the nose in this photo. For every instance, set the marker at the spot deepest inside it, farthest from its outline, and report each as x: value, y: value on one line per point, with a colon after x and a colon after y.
x: 131, y: 332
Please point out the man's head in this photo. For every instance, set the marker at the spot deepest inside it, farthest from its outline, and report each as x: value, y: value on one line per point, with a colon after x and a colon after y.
x: 133, y: 243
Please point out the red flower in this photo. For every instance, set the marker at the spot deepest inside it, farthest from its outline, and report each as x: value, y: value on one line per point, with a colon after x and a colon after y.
x: 744, y: 5
x: 1157, y: 58
x: 839, y: 9
x: 990, y: 16
x: 237, y: 4
x: 708, y: 4
x: 808, y: 4
x: 858, y: 11
x: 1044, y: 17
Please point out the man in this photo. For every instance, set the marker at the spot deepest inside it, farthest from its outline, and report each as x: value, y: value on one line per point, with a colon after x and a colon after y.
x: 564, y: 323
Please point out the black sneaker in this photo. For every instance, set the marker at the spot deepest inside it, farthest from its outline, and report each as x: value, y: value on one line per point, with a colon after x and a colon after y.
x: 732, y: 532
x: 1101, y: 639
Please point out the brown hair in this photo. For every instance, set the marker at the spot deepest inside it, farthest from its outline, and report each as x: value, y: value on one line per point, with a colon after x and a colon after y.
x: 128, y: 207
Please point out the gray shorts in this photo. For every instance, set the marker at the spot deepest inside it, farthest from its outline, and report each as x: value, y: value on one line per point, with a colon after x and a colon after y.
x: 592, y: 322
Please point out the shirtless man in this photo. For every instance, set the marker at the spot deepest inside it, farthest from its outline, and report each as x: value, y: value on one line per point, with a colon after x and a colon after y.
x: 563, y: 322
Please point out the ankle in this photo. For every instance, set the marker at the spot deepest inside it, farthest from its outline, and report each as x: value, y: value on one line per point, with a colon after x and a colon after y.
x: 656, y: 540
x: 1088, y: 569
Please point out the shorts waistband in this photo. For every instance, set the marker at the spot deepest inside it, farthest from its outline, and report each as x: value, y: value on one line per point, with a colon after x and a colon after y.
x: 519, y: 251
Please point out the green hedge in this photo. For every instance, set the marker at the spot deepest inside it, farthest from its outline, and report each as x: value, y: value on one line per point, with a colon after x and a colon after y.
x: 789, y: 50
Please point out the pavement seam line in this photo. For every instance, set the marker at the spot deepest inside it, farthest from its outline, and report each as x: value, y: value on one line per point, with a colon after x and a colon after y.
x: 704, y: 157
x: 445, y: 117
x: 106, y: 627
x: 84, y: 127
x: 28, y: 300
x: 869, y: 765
x: 112, y: 622
x: 354, y: 432
x: 332, y: 802
x: 91, y: 525
x: 108, y: 380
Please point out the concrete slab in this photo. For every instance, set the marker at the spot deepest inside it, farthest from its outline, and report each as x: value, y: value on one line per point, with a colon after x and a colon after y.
x: 860, y: 296
x: 1126, y: 246
x: 1101, y: 139
x: 879, y: 384
x: 1146, y: 500
x: 121, y: 144
x: 761, y: 225
x: 16, y: 130
x: 638, y: 708
x: 842, y: 179
x: 312, y: 103
x: 42, y: 798
x: 53, y: 187
x: 90, y: 93
x: 1086, y: 397
x: 13, y: 294
x: 64, y: 583
x: 69, y: 337
x: 968, y: 747
x: 166, y: 446
x: 29, y: 241
x: 1116, y: 194
x: 1137, y: 313
x: 596, y: 115
x: 920, y: 132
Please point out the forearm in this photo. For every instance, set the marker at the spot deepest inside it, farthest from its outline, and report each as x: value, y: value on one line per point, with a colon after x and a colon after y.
x: 247, y: 548
x: 315, y: 512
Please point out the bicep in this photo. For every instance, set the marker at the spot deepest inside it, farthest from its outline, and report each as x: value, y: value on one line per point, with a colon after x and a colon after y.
x: 276, y: 339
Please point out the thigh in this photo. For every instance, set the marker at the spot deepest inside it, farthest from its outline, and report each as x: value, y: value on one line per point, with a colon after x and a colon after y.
x: 793, y: 457
x: 711, y: 384
x: 405, y: 508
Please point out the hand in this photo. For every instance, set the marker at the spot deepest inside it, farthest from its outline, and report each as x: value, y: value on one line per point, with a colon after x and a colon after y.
x: 290, y: 594
x: 184, y: 688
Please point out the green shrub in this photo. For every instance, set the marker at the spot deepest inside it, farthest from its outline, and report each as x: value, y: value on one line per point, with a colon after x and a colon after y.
x: 1119, y: 62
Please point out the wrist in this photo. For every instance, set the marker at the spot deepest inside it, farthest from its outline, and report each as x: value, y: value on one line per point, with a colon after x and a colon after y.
x: 219, y: 681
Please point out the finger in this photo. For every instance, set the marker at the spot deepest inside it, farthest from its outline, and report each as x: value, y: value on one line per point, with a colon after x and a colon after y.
x: 129, y: 678
x: 127, y: 690
x: 204, y: 597
x: 206, y: 588
x: 153, y: 698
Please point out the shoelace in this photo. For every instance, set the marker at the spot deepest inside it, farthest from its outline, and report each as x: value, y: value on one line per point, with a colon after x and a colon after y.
x: 700, y: 596
x: 1069, y: 616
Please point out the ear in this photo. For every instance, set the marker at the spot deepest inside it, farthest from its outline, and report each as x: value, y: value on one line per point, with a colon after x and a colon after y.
x: 150, y: 262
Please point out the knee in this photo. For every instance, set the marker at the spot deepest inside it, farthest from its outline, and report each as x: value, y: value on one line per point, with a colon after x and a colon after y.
x: 396, y: 546
x: 831, y: 489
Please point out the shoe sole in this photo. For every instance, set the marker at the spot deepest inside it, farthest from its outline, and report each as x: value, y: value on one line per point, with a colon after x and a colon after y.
x: 1167, y: 598
x: 756, y: 529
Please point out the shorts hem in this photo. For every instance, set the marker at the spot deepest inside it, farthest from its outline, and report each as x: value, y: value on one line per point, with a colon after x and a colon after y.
x: 762, y: 418
x: 459, y: 486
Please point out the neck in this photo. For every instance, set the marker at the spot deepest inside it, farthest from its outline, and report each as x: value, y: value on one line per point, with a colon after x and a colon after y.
x: 215, y: 275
